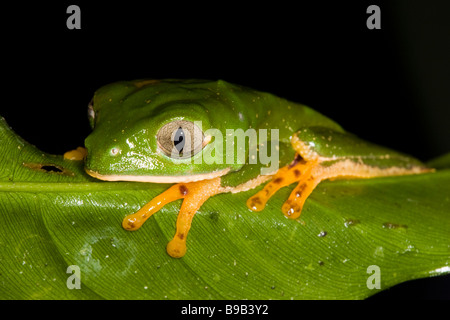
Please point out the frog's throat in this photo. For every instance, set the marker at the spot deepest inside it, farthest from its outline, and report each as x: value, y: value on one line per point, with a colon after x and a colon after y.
x: 158, y: 179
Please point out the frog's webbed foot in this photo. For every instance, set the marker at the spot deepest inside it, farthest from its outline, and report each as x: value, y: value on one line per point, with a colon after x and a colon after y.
x: 194, y: 194
x: 310, y: 168
x: 299, y: 170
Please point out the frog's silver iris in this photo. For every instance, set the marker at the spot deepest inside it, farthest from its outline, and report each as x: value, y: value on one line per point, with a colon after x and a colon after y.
x: 180, y: 139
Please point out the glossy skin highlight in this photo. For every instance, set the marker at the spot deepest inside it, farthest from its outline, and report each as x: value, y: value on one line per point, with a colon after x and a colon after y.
x: 127, y: 118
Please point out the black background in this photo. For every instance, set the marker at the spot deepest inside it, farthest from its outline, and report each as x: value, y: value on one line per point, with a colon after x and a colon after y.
x: 389, y: 86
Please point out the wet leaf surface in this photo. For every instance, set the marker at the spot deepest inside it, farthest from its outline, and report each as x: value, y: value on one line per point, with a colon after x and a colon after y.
x: 50, y: 219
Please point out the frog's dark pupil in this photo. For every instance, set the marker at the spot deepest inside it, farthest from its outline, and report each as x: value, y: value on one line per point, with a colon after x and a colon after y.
x: 178, y: 140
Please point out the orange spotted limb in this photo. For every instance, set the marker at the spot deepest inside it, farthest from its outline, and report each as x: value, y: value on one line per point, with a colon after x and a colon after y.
x: 299, y: 170
x: 325, y: 154
x: 194, y: 194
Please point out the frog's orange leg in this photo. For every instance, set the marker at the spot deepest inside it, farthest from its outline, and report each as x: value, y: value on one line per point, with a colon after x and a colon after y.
x: 134, y: 221
x: 309, y: 169
x: 299, y: 170
x: 194, y: 194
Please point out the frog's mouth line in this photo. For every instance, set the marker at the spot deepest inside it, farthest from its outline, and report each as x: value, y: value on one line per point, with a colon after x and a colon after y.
x: 158, y: 179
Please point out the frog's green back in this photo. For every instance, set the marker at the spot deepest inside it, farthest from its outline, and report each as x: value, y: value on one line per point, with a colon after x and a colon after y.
x: 228, y: 105
x: 268, y: 111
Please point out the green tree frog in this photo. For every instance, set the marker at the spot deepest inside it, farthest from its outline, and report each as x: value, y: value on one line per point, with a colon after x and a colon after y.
x: 212, y: 137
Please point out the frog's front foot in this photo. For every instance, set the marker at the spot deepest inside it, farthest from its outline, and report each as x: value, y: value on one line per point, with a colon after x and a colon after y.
x: 194, y: 194
x: 77, y: 155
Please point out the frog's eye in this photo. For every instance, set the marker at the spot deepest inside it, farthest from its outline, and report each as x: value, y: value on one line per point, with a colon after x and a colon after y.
x: 180, y: 139
x: 91, y: 113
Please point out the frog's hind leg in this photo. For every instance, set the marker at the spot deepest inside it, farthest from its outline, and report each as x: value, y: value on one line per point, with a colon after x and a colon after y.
x: 310, y: 168
x: 194, y: 194
x: 298, y: 170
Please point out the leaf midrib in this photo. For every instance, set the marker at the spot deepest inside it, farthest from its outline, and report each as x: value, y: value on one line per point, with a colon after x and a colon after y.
x: 27, y: 186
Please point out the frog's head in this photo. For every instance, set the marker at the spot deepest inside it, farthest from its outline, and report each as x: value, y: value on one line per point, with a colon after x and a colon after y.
x: 154, y: 131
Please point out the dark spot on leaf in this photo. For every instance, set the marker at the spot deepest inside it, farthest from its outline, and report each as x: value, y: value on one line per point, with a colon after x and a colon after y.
x: 214, y: 215
x: 398, y: 205
x: 49, y: 168
x: 351, y: 222
x: 322, y: 234
x: 389, y: 225
x: 321, y: 263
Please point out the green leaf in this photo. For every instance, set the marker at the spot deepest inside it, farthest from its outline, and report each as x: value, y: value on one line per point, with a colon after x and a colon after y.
x: 52, y: 215
x: 442, y: 162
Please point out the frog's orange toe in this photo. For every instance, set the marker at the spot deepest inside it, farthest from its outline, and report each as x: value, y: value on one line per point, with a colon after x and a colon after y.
x: 131, y: 223
x: 298, y: 170
x: 176, y: 248
x: 256, y: 203
x: 128, y: 224
x: 194, y: 194
x: 290, y: 210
